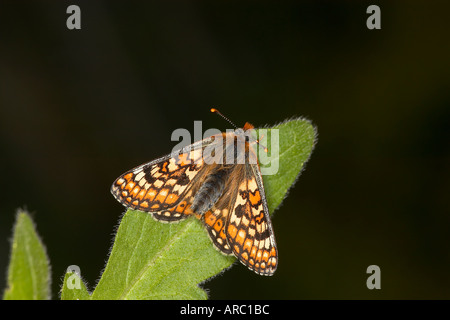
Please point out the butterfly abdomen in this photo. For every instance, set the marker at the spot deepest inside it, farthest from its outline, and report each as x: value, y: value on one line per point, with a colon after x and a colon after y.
x: 209, y: 192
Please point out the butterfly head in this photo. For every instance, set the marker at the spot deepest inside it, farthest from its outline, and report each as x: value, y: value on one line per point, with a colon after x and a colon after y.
x: 241, y: 131
x: 248, y: 126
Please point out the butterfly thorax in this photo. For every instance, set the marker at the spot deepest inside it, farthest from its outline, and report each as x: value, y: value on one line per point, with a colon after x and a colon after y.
x: 210, y: 191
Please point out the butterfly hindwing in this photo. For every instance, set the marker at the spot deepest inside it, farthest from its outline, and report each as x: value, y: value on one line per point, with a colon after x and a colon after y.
x: 215, y: 221
x: 249, y: 229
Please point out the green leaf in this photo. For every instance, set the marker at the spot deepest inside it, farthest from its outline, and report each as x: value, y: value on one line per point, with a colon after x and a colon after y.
x: 74, y: 287
x: 154, y: 260
x: 29, y: 268
x: 296, y: 142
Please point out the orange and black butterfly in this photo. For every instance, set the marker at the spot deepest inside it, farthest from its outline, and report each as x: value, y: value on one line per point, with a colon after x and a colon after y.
x: 228, y: 197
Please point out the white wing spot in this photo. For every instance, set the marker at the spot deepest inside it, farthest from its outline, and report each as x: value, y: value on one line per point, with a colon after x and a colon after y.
x: 158, y: 183
x: 139, y: 176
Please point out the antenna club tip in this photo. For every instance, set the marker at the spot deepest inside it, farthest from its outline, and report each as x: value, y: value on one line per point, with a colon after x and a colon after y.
x: 213, y: 110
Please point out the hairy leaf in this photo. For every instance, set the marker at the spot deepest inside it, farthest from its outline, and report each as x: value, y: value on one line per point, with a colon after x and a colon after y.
x: 296, y: 141
x: 153, y: 260
x: 29, y: 268
x: 74, y: 287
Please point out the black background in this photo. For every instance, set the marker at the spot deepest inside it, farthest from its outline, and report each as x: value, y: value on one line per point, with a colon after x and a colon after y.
x: 80, y: 107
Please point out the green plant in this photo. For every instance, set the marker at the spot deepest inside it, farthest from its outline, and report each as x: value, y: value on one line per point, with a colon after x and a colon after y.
x: 152, y: 260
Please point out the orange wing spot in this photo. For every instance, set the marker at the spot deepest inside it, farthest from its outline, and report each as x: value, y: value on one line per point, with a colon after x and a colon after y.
x: 253, y: 252
x: 128, y: 176
x: 171, y: 198
x: 236, y: 248
x: 210, y: 219
x: 218, y: 225
x: 183, y: 159
x: 241, y: 237
x: 135, y: 191
x: 274, y: 262
x: 254, y: 199
x: 144, y: 204
x: 248, y: 245
x: 150, y: 195
x: 164, y: 167
x: 232, y: 231
x: 155, y: 206
x: 260, y: 217
x: 244, y: 256
x: 124, y: 194
x: 135, y: 202
x: 120, y: 181
x: 130, y: 186
x: 273, y: 252
x: 258, y: 255
x: 251, y: 262
x: 129, y: 199
x: 141, y: 194
x: 181, y: 206
x: 265, y: 256
x: 161, y: 197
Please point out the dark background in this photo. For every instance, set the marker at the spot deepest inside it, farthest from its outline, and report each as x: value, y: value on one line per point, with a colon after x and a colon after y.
x: 80, y: 107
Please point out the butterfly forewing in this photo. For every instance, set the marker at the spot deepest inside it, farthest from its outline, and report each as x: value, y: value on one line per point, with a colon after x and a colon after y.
x: 163, y: 186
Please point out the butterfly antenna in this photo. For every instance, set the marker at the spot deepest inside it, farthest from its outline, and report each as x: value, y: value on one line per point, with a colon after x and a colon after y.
x: 217, y: 111
x: 259, y: 143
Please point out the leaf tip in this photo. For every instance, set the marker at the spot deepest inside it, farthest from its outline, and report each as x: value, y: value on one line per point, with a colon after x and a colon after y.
x: 29, y: 267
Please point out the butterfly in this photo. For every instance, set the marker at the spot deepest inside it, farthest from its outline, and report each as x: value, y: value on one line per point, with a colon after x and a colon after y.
x: 217, y: 180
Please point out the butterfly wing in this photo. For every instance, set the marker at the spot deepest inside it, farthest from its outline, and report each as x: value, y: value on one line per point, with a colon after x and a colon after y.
x: 249, y: 229
x: 239, y: 222
x: 214, y: 221
x: 164, y: 186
